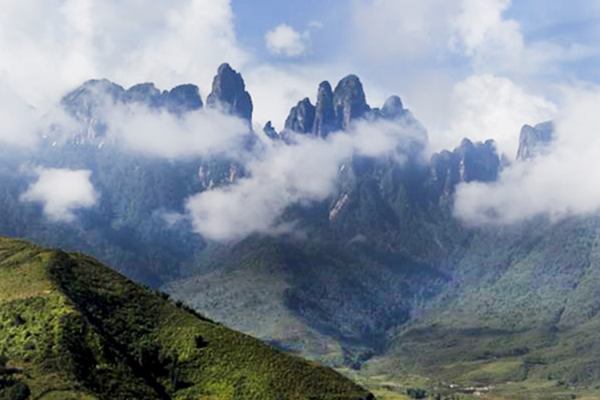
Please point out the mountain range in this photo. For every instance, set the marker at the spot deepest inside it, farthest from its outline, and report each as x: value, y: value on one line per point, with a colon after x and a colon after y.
x: 378, y: 275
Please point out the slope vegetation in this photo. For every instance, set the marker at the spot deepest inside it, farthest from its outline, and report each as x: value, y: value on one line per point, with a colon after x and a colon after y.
x: 71, y: 328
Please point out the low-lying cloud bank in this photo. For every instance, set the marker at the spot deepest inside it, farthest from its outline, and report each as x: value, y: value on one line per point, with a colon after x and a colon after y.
x: 62, y: 192
x: 291, y: 174
x: 563, y: 182
x: 200, y: 133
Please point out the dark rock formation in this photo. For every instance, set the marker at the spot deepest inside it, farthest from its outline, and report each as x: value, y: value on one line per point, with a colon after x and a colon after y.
x: 335, y: 110
x: 86, y: 100
x: 270, y: 131
x: 534, y: 140
x: 445, y: 172
x: 301, y: 118
x: 94, y: 94
x: 479, y: 161
x: 89, y: 103
x: 181, y: 99
x: 393, y: 108
x: 229, y: 93
x: 349, y: 101
x: 467, y: 163
x: 142, y: 93
x: 325, y: 120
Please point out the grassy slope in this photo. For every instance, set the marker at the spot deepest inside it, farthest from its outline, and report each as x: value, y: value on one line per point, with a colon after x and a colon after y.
x: 76, y: 329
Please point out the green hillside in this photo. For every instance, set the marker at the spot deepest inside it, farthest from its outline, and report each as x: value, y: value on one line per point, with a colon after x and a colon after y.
x: 71, y: 328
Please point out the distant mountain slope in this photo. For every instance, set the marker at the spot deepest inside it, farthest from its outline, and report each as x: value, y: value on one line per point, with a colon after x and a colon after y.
x: 71, y: 328
x: 524, y: 305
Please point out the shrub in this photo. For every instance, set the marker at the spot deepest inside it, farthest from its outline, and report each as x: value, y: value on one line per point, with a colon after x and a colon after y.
x: 416, y: 393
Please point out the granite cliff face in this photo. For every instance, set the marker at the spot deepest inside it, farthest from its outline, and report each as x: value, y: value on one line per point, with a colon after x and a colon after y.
x: 349, y: 101
x: 337, y: 110
x: 93, y: 95
x: 301, y: 118
x: 179, y: 100
x: 468, y: 162
x: 534, y: 140
x: 229, y: 93
x: 89, y: 103
x: 392, y: 108
x: 325, y: 119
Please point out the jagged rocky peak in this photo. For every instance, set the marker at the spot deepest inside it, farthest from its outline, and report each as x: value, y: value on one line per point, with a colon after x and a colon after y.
x: 141, y: 93
x: 349, y: 101
x: 270, y: 131
x: 301, y: 118
x: 335, y: 110
x: 534, y: 140
x: 86, y: 99
x: 392, y: 108
x: 99, y: 86
x: 325, y: 120
x: 479, y: 161
x: 89, y: 103
x: 467, y: 163
x: 182, y: 98
x: 96, y: 93
x: 445, y: 172
x: 229, y: 93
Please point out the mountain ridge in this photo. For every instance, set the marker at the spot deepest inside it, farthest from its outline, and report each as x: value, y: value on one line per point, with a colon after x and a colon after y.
x: 370, y: 276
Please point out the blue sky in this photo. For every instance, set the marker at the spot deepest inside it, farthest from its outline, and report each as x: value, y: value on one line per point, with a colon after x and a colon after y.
x: 254, y: 19
x: 564, y: 22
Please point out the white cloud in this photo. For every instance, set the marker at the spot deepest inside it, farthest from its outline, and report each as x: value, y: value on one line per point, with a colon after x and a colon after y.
x: 286, y: 41
x: 563, y: 182
x: 437, y: 31
x: 18, y: 121
x: 49, y: 46
x: 286, y: 175
x: 465, y: 66
x: 488, y: 107
x: 62, y: 192
x: 481, y: 32
x: 204, y: 132
x: 402, y: 29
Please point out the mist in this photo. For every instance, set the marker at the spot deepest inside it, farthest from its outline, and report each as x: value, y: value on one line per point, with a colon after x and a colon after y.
x: 563, y: 181
x: 158, y: 133
x: 61, y: 192
x: 283, y: 175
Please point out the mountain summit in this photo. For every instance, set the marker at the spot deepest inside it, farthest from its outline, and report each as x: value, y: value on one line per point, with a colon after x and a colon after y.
x: 349, y: 101
x: 229, y: 93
